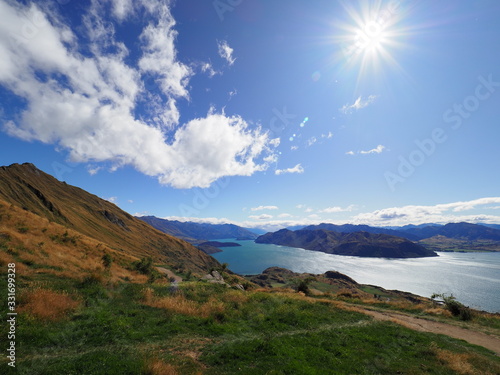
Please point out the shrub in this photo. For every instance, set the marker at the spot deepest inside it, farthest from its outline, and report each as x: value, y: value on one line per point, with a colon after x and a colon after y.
x: 456, y: 308
x: 144, y: 266
x: 107, y: 260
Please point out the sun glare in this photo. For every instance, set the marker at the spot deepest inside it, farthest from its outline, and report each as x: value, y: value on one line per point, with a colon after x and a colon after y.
x: 370, y: 37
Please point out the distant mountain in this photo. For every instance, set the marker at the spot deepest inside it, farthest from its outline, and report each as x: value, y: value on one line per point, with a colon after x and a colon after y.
x: 199, y: 231
x: 362, y: 244
x: 352, y: 228
x: 494, y: 226
x: 462, y: 231
x: 296, y: 227
x: 33, y: 190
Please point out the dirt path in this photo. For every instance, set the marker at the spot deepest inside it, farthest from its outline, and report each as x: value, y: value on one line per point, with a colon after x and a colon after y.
x: 418, y: 324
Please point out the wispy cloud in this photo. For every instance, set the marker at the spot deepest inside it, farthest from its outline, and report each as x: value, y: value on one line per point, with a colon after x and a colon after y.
x: 260, y: 208
x: 226, y: 52
x: 261, y: 217
x: 358, y: 104
x: 208, y: 68
x: 88, y: 103
x: 377, y: 150
x: 297, y: 169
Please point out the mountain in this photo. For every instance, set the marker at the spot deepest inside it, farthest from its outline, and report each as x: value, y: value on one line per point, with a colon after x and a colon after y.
x: 33, y: 190
x: 199, y: 231
x: 462, y: 231
x: 352, y: 228
x: 362, y: 244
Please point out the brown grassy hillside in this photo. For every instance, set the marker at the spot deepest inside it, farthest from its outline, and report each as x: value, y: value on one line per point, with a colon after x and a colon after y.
x: 33, y: 190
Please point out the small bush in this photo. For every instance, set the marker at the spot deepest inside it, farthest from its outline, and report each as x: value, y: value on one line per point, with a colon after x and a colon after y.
x: 144, y: 266
x: 456, y: 308
x: 107, y: 260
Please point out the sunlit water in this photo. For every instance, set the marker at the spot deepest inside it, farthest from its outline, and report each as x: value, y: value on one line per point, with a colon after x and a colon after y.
x: 474, y: 278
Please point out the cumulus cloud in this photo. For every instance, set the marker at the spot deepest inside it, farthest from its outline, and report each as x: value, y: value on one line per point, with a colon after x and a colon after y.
x: 226, y: 52
x: 297, y: 169
x: 358, y: 104
x: 101, y: 106
x: 260, y: 208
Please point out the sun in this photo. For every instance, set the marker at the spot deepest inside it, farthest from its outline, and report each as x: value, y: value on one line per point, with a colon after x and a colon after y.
x: 370, y: 36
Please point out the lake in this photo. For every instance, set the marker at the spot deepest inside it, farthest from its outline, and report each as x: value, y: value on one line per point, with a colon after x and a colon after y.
x: 474, y: 278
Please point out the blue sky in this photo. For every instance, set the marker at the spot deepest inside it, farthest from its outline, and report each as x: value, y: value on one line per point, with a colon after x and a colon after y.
x: 257, y: 113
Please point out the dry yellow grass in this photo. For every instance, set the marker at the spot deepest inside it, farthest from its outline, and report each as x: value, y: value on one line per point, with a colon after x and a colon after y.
x: 55, y: 249
x: 158, y: 367
x: 46, y: 304
x: 180, y: 305
x: 458, y: 362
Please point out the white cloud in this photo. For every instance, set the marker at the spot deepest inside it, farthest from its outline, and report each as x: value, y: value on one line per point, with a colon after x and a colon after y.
x: 111, y: 199
x: 327, y: 136
x: 335, y: 209
x: 87, y: 104
x: 226, y: 52
x: 358, y: 104
x: 439, y: 213
x: 293, y: 148
x: 260, y: 208
x: 122, y: 8
x: 308, y: 209
x: 130, y: 201
x: 284, y: 215
x: 207, y: 68
x: 311, y: 141
x: 377, y: 150
x: 297, y: 169
x: 261, y: 217
x: 201, y: 220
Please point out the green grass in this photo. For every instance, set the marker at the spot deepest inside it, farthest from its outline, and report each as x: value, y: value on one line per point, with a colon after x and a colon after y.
x: 114, y: 332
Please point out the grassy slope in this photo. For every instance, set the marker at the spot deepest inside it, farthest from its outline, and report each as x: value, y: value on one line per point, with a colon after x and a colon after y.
x: 26, y: 186
x: 127, y: 328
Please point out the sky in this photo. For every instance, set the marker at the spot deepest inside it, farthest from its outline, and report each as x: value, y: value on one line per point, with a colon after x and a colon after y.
x: 259, y: 113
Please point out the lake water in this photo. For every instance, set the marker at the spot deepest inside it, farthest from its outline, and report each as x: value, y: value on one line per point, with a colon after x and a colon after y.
x: 474, y: 278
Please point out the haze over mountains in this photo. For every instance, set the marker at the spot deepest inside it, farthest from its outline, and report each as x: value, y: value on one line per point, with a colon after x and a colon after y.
x: 191, y: 231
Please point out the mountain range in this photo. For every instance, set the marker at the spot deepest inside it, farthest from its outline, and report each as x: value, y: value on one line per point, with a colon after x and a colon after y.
x: 362, y: 244
x: 194, y: 232
x: 451, y: 236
